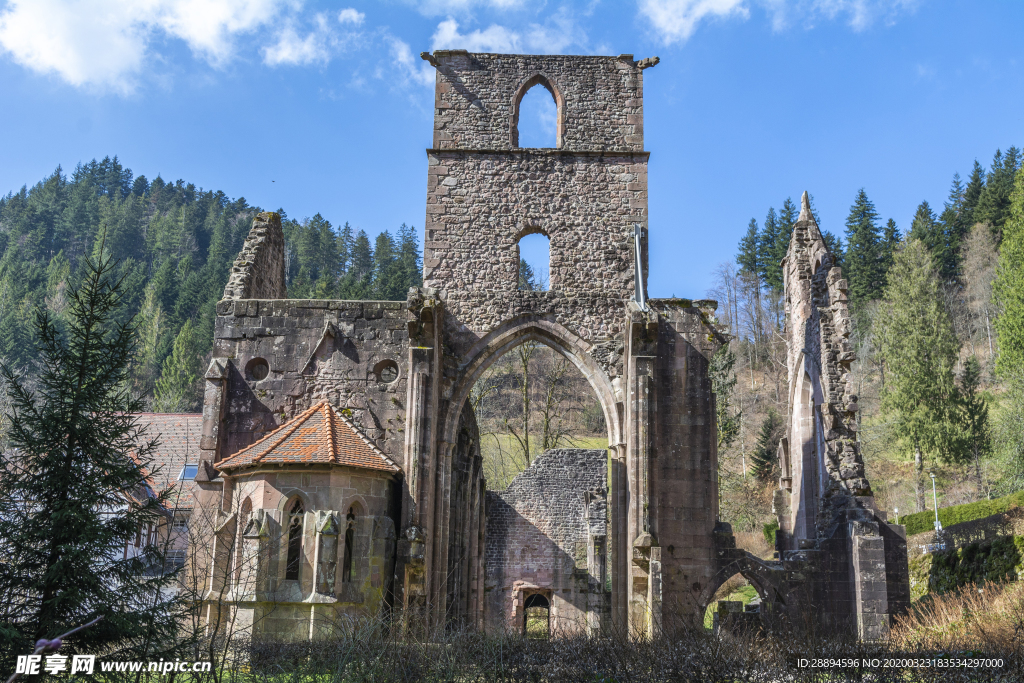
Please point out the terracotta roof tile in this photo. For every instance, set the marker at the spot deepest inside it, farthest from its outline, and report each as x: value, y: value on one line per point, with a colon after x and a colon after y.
x: 320, y: 435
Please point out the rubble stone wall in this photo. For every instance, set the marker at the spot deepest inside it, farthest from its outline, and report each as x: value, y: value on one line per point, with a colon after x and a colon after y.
x: 315, y: 350
x: 538, y: 533
x: 477, y: 95
x: 258, y: 272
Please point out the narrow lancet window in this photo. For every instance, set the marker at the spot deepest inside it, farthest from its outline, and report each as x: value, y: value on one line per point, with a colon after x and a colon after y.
x: 294, y: 542
x: 346, y: 567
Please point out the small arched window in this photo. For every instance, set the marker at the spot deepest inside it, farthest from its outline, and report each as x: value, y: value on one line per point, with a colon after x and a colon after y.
x: 350, y: 532
x: 534, y: 262
x: 296, y: 514
x: 537, y: 115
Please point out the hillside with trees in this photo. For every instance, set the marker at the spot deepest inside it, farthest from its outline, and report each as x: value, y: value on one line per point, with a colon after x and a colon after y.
x: 937, y: 310
x: 174, y: 244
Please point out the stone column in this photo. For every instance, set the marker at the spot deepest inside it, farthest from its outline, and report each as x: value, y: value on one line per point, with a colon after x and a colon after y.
x: 619, y: 537
x: 414, y: 553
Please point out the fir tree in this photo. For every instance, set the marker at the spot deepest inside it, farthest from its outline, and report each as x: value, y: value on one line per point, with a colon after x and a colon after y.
x: 1008, y: 288
x: 916, y: 342
x: 177, y: 390
x: 890, y: 243
x: 926, y: 229
x: 764, y: 461
x: 975, y: 430
x: 74, y: 491
x: 835, y: 246
x: 863, y: 259
x: 767, y: 250
x: 972, y: 193
x: 748, y: 258
x: 994, y: 202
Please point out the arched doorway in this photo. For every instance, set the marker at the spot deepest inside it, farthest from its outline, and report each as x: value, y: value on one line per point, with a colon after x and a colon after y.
x: 537, y: 616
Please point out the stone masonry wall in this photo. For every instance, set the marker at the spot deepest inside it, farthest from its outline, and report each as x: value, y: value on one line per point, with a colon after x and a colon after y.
x: 315, y: 350
x: 538, y: 533
x: 258, y: 272
x: 475, y: 99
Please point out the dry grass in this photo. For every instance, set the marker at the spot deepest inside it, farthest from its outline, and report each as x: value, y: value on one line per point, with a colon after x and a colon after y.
x: 988, y: 616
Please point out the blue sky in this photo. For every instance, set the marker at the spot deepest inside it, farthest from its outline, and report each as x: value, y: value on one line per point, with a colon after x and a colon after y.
x: 753, y: 101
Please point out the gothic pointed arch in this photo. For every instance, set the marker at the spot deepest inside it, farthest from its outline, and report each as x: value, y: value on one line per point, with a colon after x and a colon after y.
x: 549, y: 85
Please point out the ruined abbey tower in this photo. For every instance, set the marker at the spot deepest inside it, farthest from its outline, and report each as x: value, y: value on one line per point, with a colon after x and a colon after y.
x: 340, y: 450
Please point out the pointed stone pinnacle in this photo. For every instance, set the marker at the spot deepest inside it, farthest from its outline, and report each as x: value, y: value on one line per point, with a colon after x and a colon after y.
x: 805, y: 208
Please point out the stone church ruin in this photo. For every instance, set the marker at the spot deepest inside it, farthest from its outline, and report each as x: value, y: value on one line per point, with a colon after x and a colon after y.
x: 341, y: 459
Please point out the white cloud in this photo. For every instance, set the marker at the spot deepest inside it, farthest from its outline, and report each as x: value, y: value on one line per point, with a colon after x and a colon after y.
x: 411, y: 69
x: 434, y: 8
x: 351, y: 16
x: 494, y: 38
x: 318, y: 46
x: 676, y: 20
x: 105, y: 43
x: 556, y: 34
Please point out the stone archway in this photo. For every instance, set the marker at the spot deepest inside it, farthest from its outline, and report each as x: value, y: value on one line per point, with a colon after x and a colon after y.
x: 521, y: 330
x: 768, y: 581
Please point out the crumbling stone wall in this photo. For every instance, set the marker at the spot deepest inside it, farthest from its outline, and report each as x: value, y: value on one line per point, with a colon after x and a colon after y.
x: 848, y: 564
x: 258, y: 272
x: 539, y: 532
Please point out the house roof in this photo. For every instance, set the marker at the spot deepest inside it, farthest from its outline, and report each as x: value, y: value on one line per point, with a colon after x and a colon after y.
x: 178, y: 436
x: 320, y: 435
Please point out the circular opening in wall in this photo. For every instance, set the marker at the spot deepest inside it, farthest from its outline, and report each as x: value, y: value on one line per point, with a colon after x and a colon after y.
x: 386, y: 371
x: 257, y: 369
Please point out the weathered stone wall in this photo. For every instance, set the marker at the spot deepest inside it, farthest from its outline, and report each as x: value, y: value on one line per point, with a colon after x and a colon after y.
x: 315, y: 350
x: 258, y: 272
x: 600, y: 99
x: 539, y: 531
x: 685, y: 488
x: 847, y: 564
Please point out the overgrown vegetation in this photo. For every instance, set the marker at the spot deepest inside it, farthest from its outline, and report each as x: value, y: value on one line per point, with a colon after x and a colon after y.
x: 920, y: 522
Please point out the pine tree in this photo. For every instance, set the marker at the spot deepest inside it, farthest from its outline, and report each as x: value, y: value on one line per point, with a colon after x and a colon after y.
x: 787, y: 219
x: 1008, y: 288
x: 975, y: 430
x: 994, y: 202
x: 972, y: 193
x: 926, y: 229
x: 177, y: 390
x: 835, y: 246
x: 748, y: 257
x: 764, y: 461
x: 767, y: 248
x: 410, y: 258
x: 916, y: 342
x: 73, y: 494
x: 388, y: 278
x: 890, y: 243
x: 527, y: 278
x: 863, y: 258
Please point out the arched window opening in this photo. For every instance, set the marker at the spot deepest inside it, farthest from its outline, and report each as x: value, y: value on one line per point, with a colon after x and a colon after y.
x: 349, y: 559
x: 530, y: 400
x: 296, y: 514
x: 537, y: 116
x: 534, y: 262
x: 243, y: 523
x: 736, y: 604
x: 537, y: 617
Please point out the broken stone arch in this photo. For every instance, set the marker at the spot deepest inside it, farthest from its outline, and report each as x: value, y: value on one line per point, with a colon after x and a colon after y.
x: 518, y: 331
x: 762, y: 577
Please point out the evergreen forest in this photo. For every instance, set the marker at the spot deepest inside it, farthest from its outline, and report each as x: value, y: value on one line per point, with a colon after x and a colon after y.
x: 937, y: 312
x: 173, y: 244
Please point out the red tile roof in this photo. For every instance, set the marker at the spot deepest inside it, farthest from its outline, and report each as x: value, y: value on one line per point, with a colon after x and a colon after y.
x: 178, y: 436
x: 320, y: 435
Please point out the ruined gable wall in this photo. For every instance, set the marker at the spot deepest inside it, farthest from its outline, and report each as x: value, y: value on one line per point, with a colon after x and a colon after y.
x: 475, y: 95
x: 341, y: 340
x: 258, y: 272
x: 538, y: 533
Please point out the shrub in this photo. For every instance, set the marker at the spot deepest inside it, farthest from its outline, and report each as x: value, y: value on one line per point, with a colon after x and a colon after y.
x: 919, y: 522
